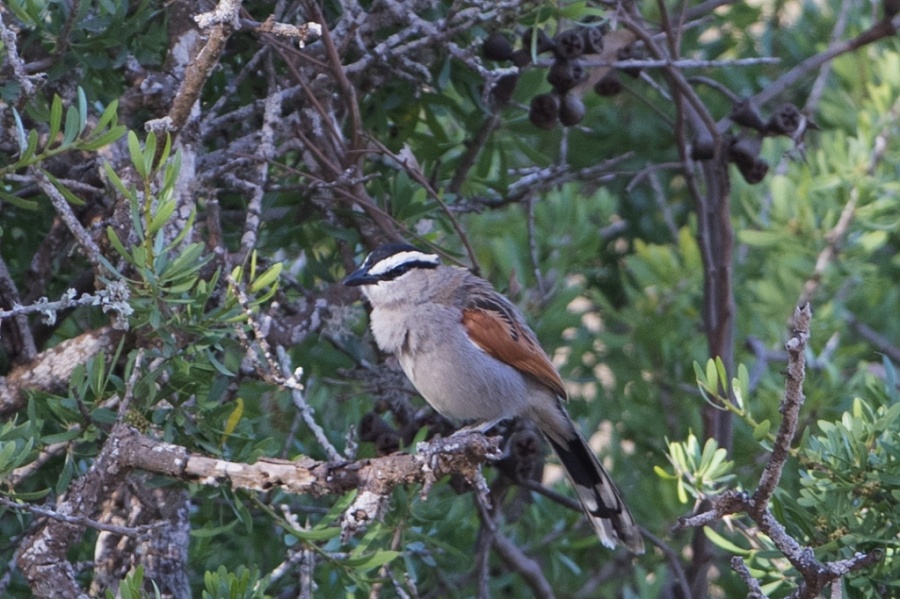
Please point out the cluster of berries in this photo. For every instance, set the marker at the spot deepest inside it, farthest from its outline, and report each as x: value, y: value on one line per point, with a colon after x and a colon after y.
x: 744, y: 149
x: 564, y: 74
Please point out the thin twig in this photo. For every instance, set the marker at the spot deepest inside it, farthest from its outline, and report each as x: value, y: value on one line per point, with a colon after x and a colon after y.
x: 818, y: 86
x: 128, y: 531
x: 304, y: 408
x: 790, y: 407
x: 8, y: 37
x: 89, y: 247
x: 879, y: 30
x: 739, y: 566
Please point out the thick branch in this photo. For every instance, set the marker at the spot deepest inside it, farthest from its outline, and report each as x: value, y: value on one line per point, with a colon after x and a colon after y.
x: 50, y: 370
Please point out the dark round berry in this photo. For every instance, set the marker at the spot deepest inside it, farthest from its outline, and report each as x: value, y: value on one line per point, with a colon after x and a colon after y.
x: 521, y: 58
x: 504, y: 88
x: 544, y: 111
x: 569, y: 44
x: 609, y: 84
x: 543, y: 43
x: 744, y: 151
x: 571, y: 110
x: 631, y: 52
x: 754, y: 172
x: 785, y: 120
x: 497, y: 47
x: 593, y: 40
x: 565, y: 74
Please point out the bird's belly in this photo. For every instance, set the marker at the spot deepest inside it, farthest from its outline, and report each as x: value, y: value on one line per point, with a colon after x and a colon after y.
x: 467, y: 385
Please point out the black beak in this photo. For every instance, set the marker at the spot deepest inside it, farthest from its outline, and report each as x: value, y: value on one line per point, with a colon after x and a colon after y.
x: 360, y: 277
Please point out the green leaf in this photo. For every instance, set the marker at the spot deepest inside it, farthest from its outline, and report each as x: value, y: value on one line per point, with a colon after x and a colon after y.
x: 149, y: 152
x: 65, y: 477
x: 682, y: 493
x: 722, y: 377
x: 267, y: 278
x: 17, y: 201
x: 163, y: 213
x: 233, y: 419
x: 82, y: 110
x: 109, y: 115
x: 21, y: 137
x: 31, y: 146
x: 117, y: 244
x: 104, y: 139
x: 723, y: 543
x: 374, y: 560
x: 73, y: 120
x: 164, y: 155
x: 65, y: 191
x: 136, y: 154
x: 218, y: 365
x: 316, y: 534
x: 116, y: 180
x: 711, y: 374
x: 61, y: 437
x: 56, y: 112
x: 661, y: 472
x: 761, y: 430
x: 201, y: 533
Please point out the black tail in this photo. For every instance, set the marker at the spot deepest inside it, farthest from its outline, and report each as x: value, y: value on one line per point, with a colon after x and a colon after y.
x: 598, y: 494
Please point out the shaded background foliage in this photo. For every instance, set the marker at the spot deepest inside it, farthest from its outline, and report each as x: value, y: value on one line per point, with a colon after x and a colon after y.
x: 592, y: 230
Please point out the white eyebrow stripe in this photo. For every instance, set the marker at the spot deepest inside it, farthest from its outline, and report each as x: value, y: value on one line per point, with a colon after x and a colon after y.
x: 391, y: 262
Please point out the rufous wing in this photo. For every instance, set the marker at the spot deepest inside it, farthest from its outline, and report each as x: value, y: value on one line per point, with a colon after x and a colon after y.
x: 501, y: 336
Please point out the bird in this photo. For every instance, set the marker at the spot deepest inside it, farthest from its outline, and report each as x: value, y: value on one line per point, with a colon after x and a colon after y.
x: 470, y: 354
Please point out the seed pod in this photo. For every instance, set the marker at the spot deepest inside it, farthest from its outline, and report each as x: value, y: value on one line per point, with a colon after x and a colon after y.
x: 565, y: 74
x: 544, y: 111
x: 785, y: 120
x: 521, y: 58
x: 569, y: 44
x: 754, y: 172
x: 593, y: 40
x: 744, y: 151
x: 571, y: 110
x: 702, y: 146
x: 497, y: 47
x: 628, y: 53
x: 609, y: 84
x: 504, y: 88
x: 744, y: 113
x: 543, y: 43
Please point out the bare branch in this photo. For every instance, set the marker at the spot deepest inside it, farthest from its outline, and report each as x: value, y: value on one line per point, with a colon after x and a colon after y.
x: 28, y: 82
x: 79, y: 520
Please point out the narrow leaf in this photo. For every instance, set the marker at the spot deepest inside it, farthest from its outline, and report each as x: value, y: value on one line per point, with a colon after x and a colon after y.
x: 82, y: 110
x: 233, y: 419
x: 149, y: 152
x: 72, y: 123
x: 723, y: 543
x: 162, y: 215
x: 267, y: 278
x: 20, y: 131
x: 136, y: 154
x: 109, y: 115
x: 56, y: 112
x: 17, y: 201
x: 104, y: 139
x: 65, y: 191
